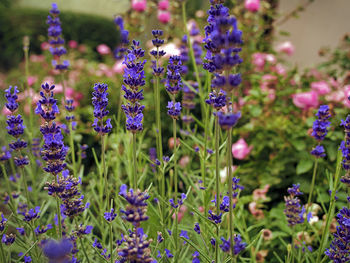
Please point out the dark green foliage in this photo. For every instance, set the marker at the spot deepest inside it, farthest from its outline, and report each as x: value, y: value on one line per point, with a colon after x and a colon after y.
x: 16, y: 23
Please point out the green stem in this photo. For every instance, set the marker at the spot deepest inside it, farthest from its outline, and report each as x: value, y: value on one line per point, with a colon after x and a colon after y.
x: 104, y: 169
x: 134, y: 160
x: 217, y: 156
x: 63, y: 87
x: 25, y: 186
x: 29, y: 99
x: 59, y: 217
x: 7, y: 184
x: 229, y: 185
x: 84, y: 250
x: 71, y: 143
x: 331, y: 207
x: 111, y: 240
x: 2, y: 252
x: 312, y: 184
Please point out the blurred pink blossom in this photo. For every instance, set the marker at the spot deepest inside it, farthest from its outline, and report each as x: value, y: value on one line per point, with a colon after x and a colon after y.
x: 306, y: 100
x: 6, y: 111
x: 164, y: 16
x: 280, y: 69
x: 258, y: 60
x: 260, y: 194
x: 271, y: 94
x: 321, y: 87
x: 163, y: 5
x: 252, y: 5
x: 139, y: 5
x: 286, y: 47
x: 184, y: 161
x: 270, y: 58
x: 240, y: 149
x: 118, y: 67
x: 336, y: 96
x: 45, y: 46
x: 72, y: 44
x: 333, y: 82
x: 103, y: 49
x: 253, y: 209
x: 37, y: 58
x: 82, y: 48
x: 181, y: 213
x: 31, y: 80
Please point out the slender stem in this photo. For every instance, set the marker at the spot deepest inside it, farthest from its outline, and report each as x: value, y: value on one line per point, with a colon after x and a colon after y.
x: 7, y: 184
x: 111, y: 240
x: 229, y: 185
x: 29, y: 99
x: 71, y: 143
x: 134, y: 160
x: 2, y: 253
x: 217, y: 156
x: 312, y: 183
x: 63, y: 87
x: 331, y: 207
x: 59, y: 217
x: 104, y: 170
x: 84, y: 250
x: 24, y: 180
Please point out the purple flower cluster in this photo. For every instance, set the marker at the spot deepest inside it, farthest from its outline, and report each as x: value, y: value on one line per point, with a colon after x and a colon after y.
x: 53, y: 151
x: 120, y: 50
x: 134, y: 78
x: 8, y: 240
x: 56, y: 41
x: 157, y: 54
x: 174, y: 109
x: 100, y: 103
x: 57, y: 251
x: 135, y: 211
x: 15, y: 128
x: 110, y: 216
x: 180, y: 201
x: 345, y: 145
x: 228, y: 120
x: 339, y: 250
x: 238, y: 245
x: 136, y: 248
x: 174, y: 69
x: 319, y: 129
x: 99, y: 246
x: 294, y: 212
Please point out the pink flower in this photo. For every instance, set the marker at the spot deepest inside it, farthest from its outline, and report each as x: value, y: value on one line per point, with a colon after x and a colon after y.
x: 280, y: 69
x: 164, y: 16
x: 37, y: 58
x: 184, y: 161
x: 82, y: 48
x: 181, y: 213
x: 258, y: 60
x: 31, y: 80
x: 118, y: 67
x: 306, y: 100
x: 321, y: 87
x: 103, y: 49
x: 72, y: 44
x: 45, y: 46
x: 260, y: 194
x: 163, y: 5
x: 139, y: 5
x: 252, y: 5
x: 286, y: 47
x: 336, y: 96
x: 6, y: 111
x: 255, y: 211
x: 240, y: 149
x: 270, y: 58
x: 347, y: 94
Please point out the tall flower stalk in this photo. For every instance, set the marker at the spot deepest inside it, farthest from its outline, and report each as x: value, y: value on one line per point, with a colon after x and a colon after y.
x: 102, y: 126
x: 15, y: 128
x: 56, y: 41
x: 222, y: 42
x: 53, y: 151
x: 173, y: 86
x: 158, y: 73
x: 134, y: 79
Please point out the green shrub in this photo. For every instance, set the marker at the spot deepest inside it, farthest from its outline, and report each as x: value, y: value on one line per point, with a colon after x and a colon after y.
x: 16, y: 23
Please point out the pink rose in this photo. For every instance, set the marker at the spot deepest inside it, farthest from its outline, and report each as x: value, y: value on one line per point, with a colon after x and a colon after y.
x: 139, y: 5
x: 255, y: 211
x: 163, y: 5
x: 280, y: 69
x: 45, y: 46
x: 164, y: 16
x: 72, y: 44
x: 306, y: 100
x: 240, y: 149
x: 321, y: 87
x: 258, y: 60
x: 270, y: 58
x: 336, y: 96
x: 31, y: 80
x: 103, y: 49
x: 252, y: 5
x: 118, y: 67
x: 286, y: 47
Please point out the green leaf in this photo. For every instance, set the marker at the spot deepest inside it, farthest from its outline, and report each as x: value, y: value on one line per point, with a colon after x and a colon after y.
x: 299, y: 144
x: 304, y: 166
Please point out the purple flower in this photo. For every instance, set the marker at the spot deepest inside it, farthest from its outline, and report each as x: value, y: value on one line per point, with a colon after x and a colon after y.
x: 174, y: 69
x: 100, y: 103
x: 27, y: 259
x: 321, y: 124
x: 168, y: 253
x: 134, y: 79
x: 197, y: 228
x: 120, y: 50
x: 57, y: 251
x: 228, y: 120
x: 318, y: 151
x: 215, y: 218
x: 174, y: 109
x: 184, y: 234
x: 56, y: 41
x: 3, y: 223
x: 8, y: 239
x: 4, y: 154
x: 294, y: 212
x: 110, y: 216
x: 11, y: 98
